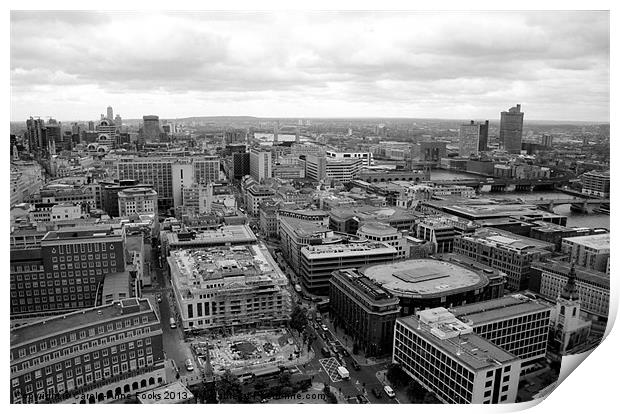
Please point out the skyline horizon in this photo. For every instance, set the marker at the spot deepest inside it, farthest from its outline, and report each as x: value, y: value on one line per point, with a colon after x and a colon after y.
x: 468, y: 65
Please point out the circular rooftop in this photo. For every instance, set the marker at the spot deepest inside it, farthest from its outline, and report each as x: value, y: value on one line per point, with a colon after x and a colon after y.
x: 425, y: 278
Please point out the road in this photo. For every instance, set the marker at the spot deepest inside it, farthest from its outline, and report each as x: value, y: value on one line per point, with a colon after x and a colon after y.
x: 173, y: 341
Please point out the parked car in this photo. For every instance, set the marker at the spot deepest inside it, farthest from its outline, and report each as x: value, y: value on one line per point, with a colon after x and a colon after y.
x: 389, y: 391
x: 159, y: 297
x: 189, y: 365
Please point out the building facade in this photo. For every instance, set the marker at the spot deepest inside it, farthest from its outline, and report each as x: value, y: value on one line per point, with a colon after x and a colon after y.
x: 446, y: 357
x: 89, y: 356
x: 365, y: 310
x: 511, y: 129
x: 137, y: 201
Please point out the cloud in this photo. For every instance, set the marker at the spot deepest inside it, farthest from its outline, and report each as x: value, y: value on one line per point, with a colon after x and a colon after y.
x: 324, y: 63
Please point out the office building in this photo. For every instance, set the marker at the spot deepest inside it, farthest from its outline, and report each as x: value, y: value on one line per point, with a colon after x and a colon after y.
x: 366, y: 311
x: 592, y: 252
x: 554, y: 233
x: 430, y: 151
x: 151, y: 130
x: 516, y: 323
x: 385, y: 233
x: 473, y: 138
x: 255, y: 195
x: 89, y: 356
x: 240, y: 165
x: 511, y: 129
x: 366, y: 157
x: 197, y: 199
x: 441, y: 231
x: 505, y: 252
x: 547, y: 141
x: 109, y: 190
x: 260, y: 164
x: 137, y: 201
x: 319, y: 261
x: 67, y: 272
x: 169, y: 175
x: 110, y: 113
x: 446, y: 357
x: 297, y: 232
x: 348, y: 220
x: 231, y: 286
x: 596, y: 183
x: 343, y: 170
x: 424, y: 283
x: 550, y: 277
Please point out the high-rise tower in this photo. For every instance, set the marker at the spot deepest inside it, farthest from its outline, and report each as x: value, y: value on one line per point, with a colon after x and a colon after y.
x: 110, y: 113
x: 511, y: 129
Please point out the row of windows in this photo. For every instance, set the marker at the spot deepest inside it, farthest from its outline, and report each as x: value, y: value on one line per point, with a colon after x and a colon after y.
x: 83, y: 334
x: 82, y: 257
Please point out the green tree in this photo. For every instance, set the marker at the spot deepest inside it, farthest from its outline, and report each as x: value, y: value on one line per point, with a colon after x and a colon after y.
x: 299, y: 320
x: 229, y: 387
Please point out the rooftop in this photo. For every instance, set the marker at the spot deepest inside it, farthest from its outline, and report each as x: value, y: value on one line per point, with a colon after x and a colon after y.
x: 451, y: 335
x: 86, y: 232
x: 75, y: 320
x: 498, y: 309
x: 347, y: 249
x: 563, y: 268
x: 425, y: 277
x: 370, y: 212
x: 510, y: 240
x: 195, y: 269
x: 364, y: 285
x: 222, y: 235
x: 595, y: 241
x: 116, y: 285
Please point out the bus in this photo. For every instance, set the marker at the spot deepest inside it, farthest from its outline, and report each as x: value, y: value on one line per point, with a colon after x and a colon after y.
x: 173, y: 323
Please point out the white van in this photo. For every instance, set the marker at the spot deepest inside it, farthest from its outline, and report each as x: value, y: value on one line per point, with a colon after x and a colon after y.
x: 173, y: 323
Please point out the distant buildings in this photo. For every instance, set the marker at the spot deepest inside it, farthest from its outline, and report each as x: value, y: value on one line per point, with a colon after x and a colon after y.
x: 92, y: 355
x: 511, y: 129
x: 446, y: 357
x: 432, y: 151
x: 333, y: 168
x: 473, y: 138
x: 151, y: 130
x: 366, y: 311
x: 240, y: 165
x: 26, y: 179
x: 596, y: 183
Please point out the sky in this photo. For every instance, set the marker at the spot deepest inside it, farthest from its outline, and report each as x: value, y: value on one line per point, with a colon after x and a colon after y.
x: 452, y: 65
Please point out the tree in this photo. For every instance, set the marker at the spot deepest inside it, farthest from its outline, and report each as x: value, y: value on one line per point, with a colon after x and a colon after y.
x: 229, y: 386
x: 299, y: 319
x: 285, y: 378
x: 415, y: 392
x: 396, y: 375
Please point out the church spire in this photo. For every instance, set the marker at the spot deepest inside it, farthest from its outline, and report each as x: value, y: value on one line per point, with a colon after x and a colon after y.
x: 570, y: 289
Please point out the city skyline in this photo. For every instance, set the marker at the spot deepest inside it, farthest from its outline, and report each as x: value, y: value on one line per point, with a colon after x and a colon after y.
x: 264, y: 64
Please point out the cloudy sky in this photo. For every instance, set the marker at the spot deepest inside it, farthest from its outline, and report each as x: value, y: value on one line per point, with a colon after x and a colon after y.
x: 458, y: 65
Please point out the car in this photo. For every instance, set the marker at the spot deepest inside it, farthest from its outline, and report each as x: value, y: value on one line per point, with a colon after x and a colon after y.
x: 189, y: 365
x: 377, y: 393
x: 159, y: 297
x: 324, y: 328
x: 389, y: 391
x: 355, y: 365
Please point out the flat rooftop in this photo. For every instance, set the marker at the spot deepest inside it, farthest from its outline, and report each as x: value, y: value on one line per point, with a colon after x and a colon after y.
x: 499, y: 309
x: 371, y: 212
x: 74, y: 320
x: 492, y: 210
x: 450, y: 336
x: 348, y: 249
x: 507, y: 239
x: 421, y: 278
x: 86, y: 232
x: 196, y: 269
x: 223, y: 235
x: 115, y: 284
x: 365, y: 286
x: 595, y: 241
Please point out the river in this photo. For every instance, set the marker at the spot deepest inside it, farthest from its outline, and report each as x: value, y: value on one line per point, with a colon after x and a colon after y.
x: 573, y: 219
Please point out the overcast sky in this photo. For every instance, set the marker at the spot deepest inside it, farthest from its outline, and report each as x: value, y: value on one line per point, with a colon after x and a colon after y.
x: 72, y: 65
